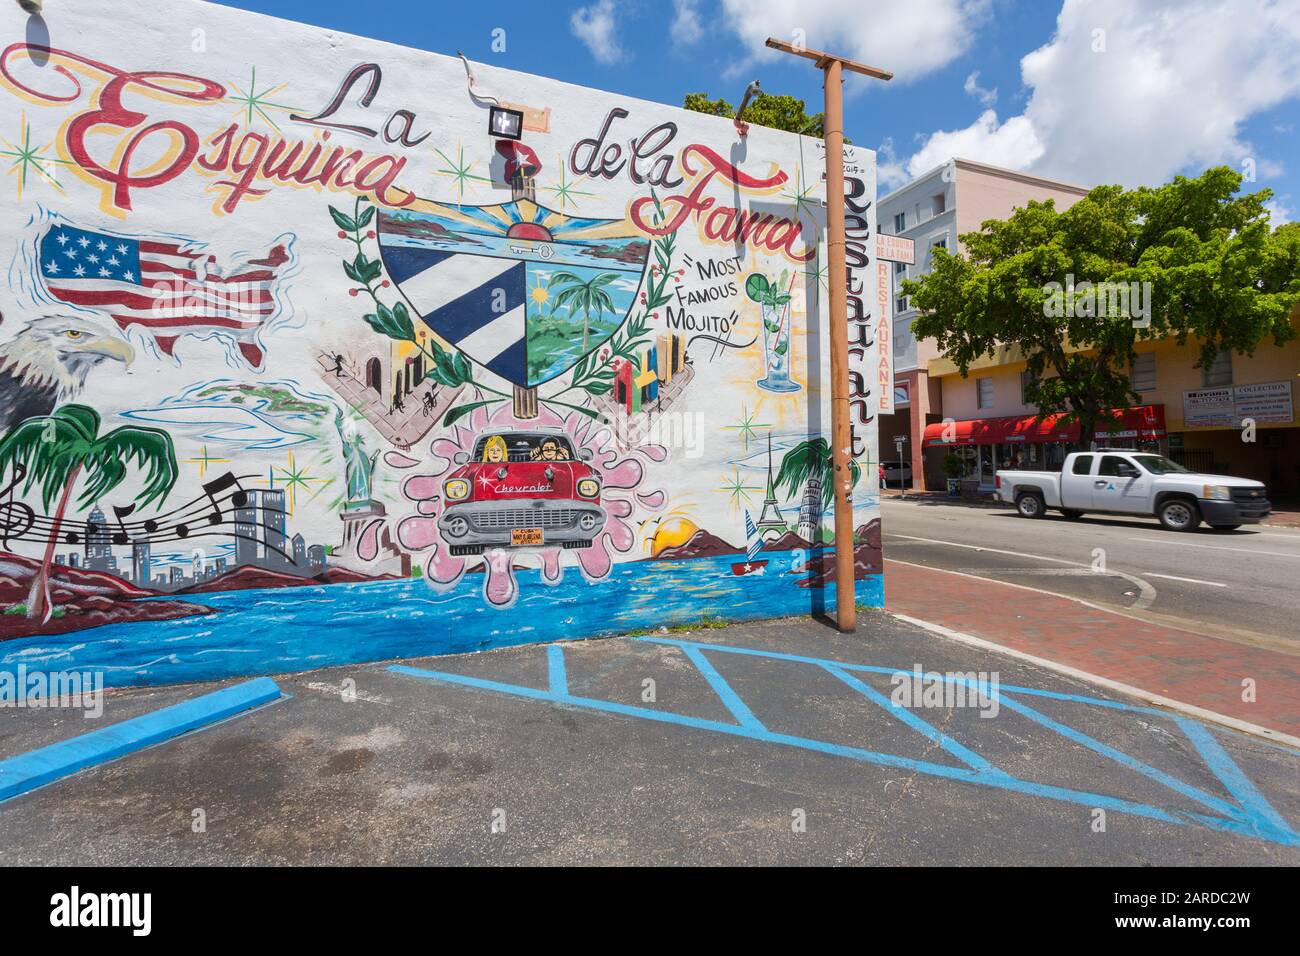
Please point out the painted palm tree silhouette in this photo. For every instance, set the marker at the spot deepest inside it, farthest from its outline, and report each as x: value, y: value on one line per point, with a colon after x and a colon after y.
x: 806, y: 461
x: 589, y: 296
x: 55, y: 450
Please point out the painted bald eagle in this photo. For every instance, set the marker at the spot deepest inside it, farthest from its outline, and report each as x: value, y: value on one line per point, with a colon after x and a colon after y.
x: 47, y: 362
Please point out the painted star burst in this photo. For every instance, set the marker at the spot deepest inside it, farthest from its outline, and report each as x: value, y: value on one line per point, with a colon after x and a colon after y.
x: 801, y: 195
x: 293, y: 478
x: 257, y: 102
x: 747, y: 427
x: 460, y: 171
x: 736, y: 489
x: 565, y: 191
x: 205, y: 459
x: 27, y: 157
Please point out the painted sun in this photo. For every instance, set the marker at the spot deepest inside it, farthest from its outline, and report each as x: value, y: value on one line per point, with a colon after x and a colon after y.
x: 671, y: 533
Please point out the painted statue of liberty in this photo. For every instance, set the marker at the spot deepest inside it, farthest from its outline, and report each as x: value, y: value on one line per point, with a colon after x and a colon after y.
x: 360, y: 467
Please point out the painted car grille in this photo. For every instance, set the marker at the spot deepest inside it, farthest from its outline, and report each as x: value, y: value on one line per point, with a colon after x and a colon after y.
x: 525, y: 518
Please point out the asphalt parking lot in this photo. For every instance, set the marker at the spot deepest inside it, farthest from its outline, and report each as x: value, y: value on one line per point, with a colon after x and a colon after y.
x: 768, y: 743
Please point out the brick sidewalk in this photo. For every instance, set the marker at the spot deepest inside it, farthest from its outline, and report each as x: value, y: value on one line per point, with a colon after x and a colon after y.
x: 1178, y: 664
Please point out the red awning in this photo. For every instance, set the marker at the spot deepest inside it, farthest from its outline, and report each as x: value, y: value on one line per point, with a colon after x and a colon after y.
x: 1145, y: 422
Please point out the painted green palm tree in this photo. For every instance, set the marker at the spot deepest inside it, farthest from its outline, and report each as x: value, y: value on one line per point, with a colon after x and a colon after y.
x: 588, y: 296
x: 56, y: 449
x: 806, y: 461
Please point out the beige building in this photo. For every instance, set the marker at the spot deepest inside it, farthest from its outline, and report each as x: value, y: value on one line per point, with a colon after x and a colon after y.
x: 1196, y: 416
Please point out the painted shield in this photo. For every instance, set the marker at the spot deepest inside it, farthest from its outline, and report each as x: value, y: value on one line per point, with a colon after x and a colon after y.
x: 491, y: 280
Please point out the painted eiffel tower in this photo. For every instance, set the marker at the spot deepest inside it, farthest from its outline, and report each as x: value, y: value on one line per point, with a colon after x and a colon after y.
x: 770, y: 519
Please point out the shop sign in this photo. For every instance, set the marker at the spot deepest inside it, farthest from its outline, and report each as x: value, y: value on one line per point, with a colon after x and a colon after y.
x: 1265, y: 403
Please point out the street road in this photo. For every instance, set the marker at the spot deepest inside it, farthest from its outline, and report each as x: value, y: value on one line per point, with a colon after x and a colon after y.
x: 776, y: 742
x: 1242, y: 585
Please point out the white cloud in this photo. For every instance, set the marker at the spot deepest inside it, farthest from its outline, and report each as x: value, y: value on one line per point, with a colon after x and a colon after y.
x: 891, y: 172
x: 1278, y: 212
x: 686, y: 27
x: 973, y: 88
x: 1013, y: 144
x: 1134, y: 91
x: 596, y: 26
x: 911, y: 38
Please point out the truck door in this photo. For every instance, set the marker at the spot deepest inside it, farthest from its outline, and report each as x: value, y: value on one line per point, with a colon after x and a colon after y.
x: 1076, y: 483
x: 1121, y: 486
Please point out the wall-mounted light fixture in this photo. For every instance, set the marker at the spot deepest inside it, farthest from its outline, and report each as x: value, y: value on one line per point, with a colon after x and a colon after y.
x: 751, y: 91
x: 504, y: 123
x: 31, y: 6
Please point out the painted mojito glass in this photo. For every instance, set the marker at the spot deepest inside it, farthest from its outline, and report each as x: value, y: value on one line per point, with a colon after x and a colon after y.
x: 774, y: 304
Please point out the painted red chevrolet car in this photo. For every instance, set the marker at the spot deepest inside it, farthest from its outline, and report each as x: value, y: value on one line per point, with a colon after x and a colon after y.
x: 521, y: 489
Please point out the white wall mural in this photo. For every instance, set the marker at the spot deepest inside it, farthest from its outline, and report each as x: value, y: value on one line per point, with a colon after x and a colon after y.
x: 300, y: 366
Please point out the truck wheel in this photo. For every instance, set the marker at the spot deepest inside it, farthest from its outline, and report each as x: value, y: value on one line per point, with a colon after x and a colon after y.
x: 1179, y: 514
x: 1069, y: 514
x: 1030, y: 504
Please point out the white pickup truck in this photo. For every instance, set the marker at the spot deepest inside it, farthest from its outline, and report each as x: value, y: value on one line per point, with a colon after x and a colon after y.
x: 1116, y: 481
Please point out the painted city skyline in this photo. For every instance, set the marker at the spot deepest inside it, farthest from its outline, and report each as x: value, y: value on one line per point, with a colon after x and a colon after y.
x: 261, y: 541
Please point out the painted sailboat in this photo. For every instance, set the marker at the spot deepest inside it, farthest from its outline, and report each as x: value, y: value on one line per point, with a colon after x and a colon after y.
x: 751, y: 564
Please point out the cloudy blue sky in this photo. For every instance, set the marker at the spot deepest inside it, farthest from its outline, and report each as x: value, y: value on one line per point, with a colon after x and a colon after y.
x: 1089, y: 91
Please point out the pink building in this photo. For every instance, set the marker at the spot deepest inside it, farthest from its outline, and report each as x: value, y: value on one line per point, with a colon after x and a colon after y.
x: 933, y: 210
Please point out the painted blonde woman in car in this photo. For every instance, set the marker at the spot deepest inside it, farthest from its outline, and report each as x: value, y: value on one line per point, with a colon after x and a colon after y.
x: 495, y: 450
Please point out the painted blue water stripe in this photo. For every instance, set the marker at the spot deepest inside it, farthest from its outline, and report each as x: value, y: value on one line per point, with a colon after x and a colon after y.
x: 744, y: 716
x: 1236, y: 782
x: 874, y: 669
x: 903, y: 714
x: 1132, y: 763
x: 558, y: 678
x: 999, y: 780
x: 39, y: 767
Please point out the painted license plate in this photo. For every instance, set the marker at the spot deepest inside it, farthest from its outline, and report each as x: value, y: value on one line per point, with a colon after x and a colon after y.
x: 526, y: 537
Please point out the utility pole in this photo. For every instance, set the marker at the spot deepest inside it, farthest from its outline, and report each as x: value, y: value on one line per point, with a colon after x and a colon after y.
x: 833, y: 67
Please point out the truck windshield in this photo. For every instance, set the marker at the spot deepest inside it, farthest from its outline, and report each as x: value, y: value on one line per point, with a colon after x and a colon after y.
x: 1159, y: 465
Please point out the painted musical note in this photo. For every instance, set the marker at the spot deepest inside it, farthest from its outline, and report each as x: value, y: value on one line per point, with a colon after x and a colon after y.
x: 122, y: 536
x: 16, y: 518
x: 216, y: 486
x: 214, y: 509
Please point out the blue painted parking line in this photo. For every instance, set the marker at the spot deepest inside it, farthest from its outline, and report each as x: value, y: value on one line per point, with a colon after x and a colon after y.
x: 964, y: 754
x: 1251, y: 816
x: 1223, y: 767
x: 730, y: 699
x: 555, y: 673
x: 35, y: 769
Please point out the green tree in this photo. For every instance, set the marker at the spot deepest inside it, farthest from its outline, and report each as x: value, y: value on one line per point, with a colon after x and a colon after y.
x: 1218, y: 274
x: 771, y: 110
x: 588, y: 296
x: 55, y: 450
x: 807, y: 460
